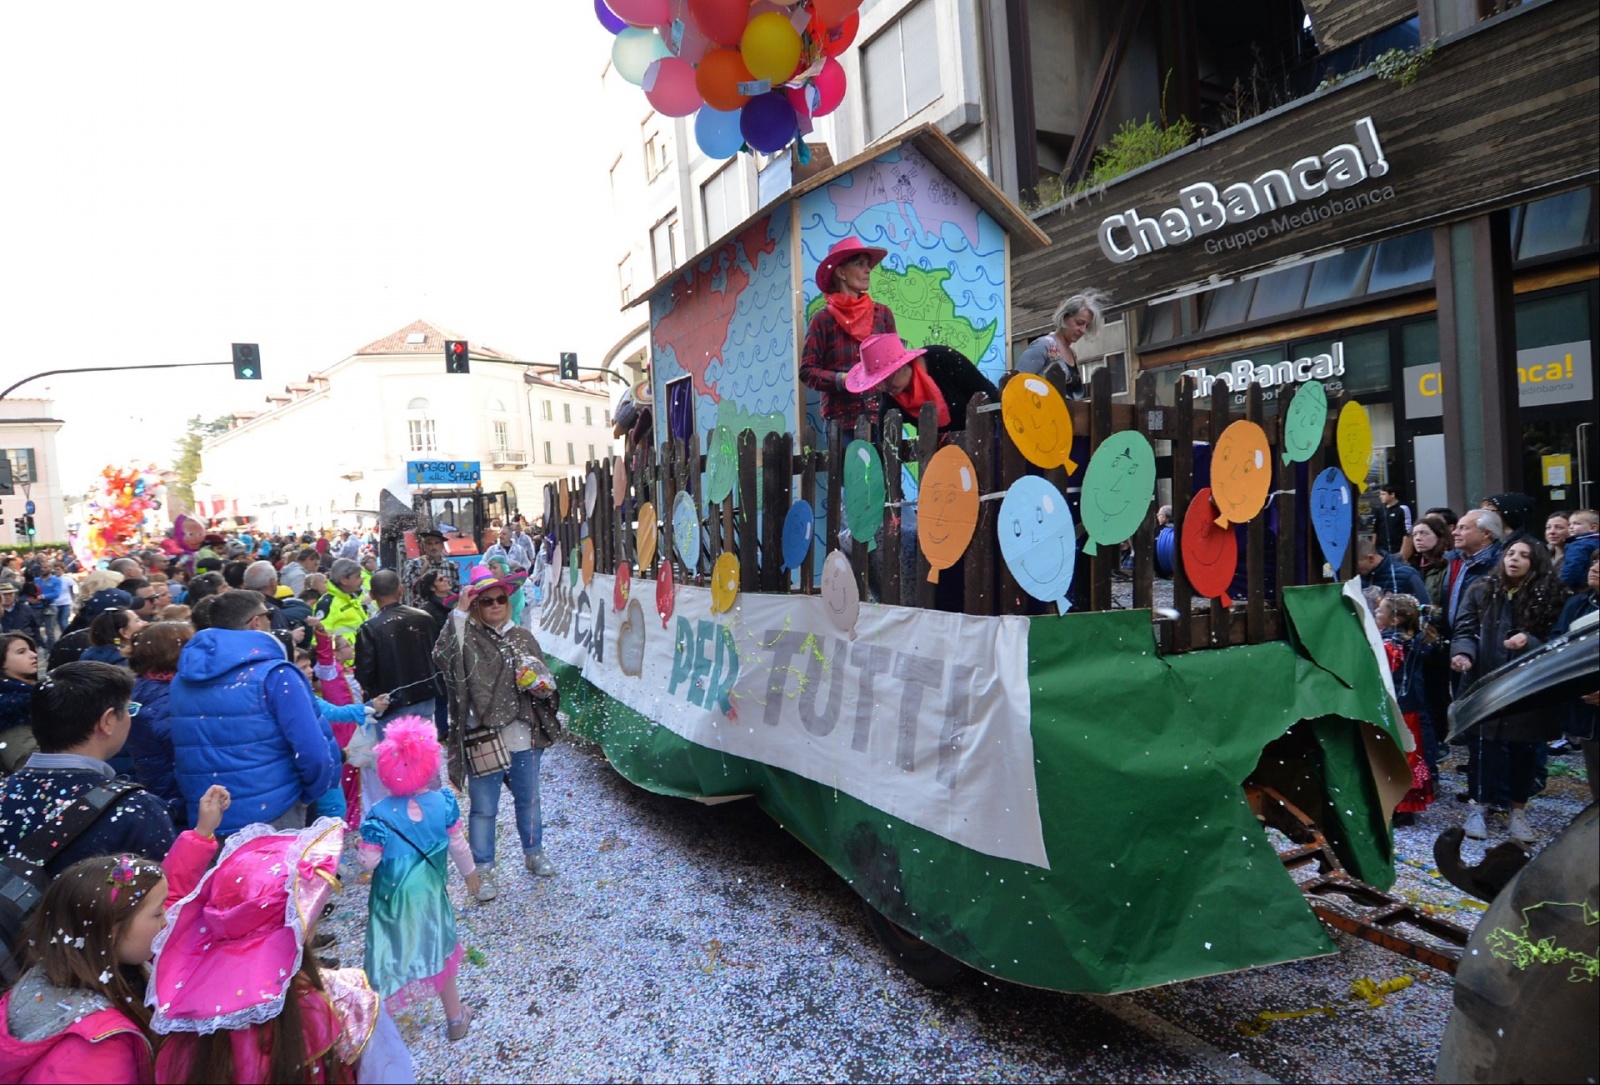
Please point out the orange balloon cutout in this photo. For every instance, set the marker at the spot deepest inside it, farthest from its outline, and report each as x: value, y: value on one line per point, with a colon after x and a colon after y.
x: 566, y: 498
x: 947, y: 508
x: 619, y: 482
x: 1038, y: 421
x: 646, y: 537
x: 1210, y: 553
x: 718, y: 76
x: 1241, y: 472
x: 587, y: 566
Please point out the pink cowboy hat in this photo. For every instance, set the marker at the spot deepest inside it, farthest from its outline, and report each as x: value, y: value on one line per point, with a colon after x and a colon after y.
x: 842, y: 251
x: 881, y: 355
x: 483, y: 578
x: 231, y: 948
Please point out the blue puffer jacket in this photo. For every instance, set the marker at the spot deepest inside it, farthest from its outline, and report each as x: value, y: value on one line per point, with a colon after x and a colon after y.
x: 242, y: 716
x: 150, y: 746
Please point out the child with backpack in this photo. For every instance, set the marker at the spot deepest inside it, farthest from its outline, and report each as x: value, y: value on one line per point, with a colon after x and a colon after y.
x: 77, y: 1013
x: 1408, y: 642
x: 234, y: 989
x: 411, y: 924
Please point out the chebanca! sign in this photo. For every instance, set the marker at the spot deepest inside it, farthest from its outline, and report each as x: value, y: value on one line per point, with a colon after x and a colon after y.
x: 1203, y: 209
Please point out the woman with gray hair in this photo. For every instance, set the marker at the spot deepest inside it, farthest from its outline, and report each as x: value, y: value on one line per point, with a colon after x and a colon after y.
x: 1073, y: 319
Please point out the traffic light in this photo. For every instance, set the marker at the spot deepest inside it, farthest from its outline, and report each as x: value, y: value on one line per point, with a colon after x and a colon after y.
x: 27, y: 522
x: 455, y: 356
x: 569, y: 366
x: 20, y: 526
x: 246, y: 362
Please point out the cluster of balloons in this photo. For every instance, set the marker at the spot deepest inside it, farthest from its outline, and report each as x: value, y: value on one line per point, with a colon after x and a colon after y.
x: 753, y: 74
x: 117, y: 514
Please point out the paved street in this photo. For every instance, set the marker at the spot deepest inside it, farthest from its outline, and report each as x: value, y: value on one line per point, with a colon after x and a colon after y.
x: 689, y: 942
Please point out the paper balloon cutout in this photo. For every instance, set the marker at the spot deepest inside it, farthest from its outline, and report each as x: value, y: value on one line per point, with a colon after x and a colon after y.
x: 565, y: 497
x: 841, y: 595
x: 591, y: 495
x: 630, y: 640
x: 1038, y: 421
x: 552, y: 572
x: 1241, y: 472
x: 947, y: 508
x: 572, y: 568
x: 1038, y: 539
x: 586, y: 567
x: 619, y: 481
x: 1118, y: 489
x: 622, y: 586
x: 722, y: 464
x: 799, y: 526
x: 1303, y: 422
x: 665, y: 590
x: 686, y: 530
x: 1332, y: 508
x: 1355, y: 443
x: 607, y: 18
x: 724, y: 583
x: 862, y: 468
x: 645, y: 536
x: 1210, y: 552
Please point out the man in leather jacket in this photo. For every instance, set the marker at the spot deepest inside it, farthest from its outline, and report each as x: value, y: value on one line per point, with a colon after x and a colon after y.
x: 394, y: 653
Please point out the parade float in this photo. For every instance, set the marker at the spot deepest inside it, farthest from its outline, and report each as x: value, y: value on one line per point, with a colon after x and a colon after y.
x: 1043, y: 786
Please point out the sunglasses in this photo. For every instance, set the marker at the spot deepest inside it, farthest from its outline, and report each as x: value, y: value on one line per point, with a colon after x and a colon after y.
x: 133, y: 708
x: 495, y: 601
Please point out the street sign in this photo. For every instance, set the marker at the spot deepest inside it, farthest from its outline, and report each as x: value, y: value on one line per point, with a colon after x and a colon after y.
x: 29, y: 509
x: 443, y: 472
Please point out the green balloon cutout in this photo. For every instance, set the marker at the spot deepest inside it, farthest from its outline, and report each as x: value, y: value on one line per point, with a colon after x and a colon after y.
x: 572, y: 568
x: 863, y: 491
x: 722, y: 464
x: 1118, y: 489
x: 1304, y: 422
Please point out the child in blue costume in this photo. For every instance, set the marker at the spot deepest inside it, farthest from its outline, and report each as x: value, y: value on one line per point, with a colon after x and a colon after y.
x: 405, y: 840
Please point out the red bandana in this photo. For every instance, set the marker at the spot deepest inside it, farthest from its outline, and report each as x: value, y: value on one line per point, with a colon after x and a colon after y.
x: 922, y: 390
x: 853, y: 314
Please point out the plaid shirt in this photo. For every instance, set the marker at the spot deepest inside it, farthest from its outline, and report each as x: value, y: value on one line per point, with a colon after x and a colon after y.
x: 828, y: 350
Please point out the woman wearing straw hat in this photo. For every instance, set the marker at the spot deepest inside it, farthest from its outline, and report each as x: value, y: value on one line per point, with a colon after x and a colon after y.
x: 503, y: 705
x: 907, y: 379
x: 836, y: 332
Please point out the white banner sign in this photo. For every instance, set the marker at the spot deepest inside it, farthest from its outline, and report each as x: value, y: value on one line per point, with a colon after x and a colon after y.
x: 922, y: 715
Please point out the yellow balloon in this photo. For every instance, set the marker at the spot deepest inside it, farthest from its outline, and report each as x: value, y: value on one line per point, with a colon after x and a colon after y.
x: 646, y: 536
x: 1355, y: 443
x: 770, y: 47
x: 1038, y: 421
x: 724, y: 583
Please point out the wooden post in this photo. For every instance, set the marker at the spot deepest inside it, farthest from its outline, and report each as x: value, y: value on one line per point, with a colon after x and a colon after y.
x: 1182, y: 493
x: 1105, y: 559
x: 1255, y: 604
x: 749, y: 560
x: 980, y: 595
x: 808, y: 493
x: 1144, y: 568
x: 777, y: 474
x: 927, y: 445
x: 890, y: 450
x: 1221, y: 617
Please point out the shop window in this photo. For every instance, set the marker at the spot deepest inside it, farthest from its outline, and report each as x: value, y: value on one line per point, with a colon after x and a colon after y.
x: 1402, y: 261
x: 1556, y: 224
x: 1419, y: 343
x: 1226, y: 305
x: 1543, y: 322
x: 1339, y: 278
x: 1160, y: 323
x: 722, y: 199
x: 1366, y: 358
x: 1280, y: 292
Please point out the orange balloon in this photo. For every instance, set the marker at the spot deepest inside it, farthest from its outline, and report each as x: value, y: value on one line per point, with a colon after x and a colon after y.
x: 947, y: 508
x: 1241, y: 472
x: 587, y: 565
x: 718, y: 78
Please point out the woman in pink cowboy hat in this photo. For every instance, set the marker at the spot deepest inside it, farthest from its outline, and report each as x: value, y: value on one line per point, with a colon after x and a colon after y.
x: 834, y: 337
x: 907, y: 379
x: 236, y: 991
x: 503, y: 716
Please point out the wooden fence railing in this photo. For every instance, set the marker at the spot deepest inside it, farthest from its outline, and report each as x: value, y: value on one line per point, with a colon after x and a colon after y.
x: 782, y: 470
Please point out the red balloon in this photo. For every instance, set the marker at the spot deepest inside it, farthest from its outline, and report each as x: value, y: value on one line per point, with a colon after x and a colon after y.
x: 723, y: 21
x: 836, y: 39
x: 1210, y: 553
x: 834, y: 12
x: 830, y: 84
x: 664, y: 593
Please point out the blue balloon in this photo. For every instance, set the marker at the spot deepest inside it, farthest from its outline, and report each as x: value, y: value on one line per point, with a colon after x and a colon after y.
x: 1332, y: 507
x: 1038, y: 539
x: 798, y: 528
x: 717, y: 132
x: 686, y: 530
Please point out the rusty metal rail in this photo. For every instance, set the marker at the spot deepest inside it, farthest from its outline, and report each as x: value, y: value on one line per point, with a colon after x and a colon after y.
x: 1367, y: 912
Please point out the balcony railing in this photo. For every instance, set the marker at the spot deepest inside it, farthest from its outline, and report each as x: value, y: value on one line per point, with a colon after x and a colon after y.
x: 507, y: 457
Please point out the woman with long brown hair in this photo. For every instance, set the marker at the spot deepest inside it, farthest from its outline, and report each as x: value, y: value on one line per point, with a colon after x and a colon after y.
x: 1430, y: 542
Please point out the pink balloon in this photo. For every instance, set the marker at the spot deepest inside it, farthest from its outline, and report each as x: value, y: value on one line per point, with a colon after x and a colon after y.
x: 830, y: 84
x: 640, y: 12
x: 669, y: 85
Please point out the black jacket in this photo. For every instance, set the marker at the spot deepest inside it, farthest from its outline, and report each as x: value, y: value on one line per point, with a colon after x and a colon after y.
x: 394, y: 654
x: 958, y: 380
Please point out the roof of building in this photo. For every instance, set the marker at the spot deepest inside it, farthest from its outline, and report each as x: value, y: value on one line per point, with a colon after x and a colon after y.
x: 431, y: 341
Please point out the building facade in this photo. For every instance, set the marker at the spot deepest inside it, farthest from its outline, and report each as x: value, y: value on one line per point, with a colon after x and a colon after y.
x: 28, y: 442
x: 319, y: 454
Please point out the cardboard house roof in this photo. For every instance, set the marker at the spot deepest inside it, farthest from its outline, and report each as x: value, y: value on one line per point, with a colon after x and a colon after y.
x: 937, y: 148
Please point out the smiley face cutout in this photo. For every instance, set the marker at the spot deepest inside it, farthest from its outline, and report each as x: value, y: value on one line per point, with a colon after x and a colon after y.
x: 1210, y: 552
x: 666, y: 592
x: 1038, y: 421
x: 1038, y: 540
x: 645, y: 537
x: 947, y: 508
x: 1303, y: 422
x: 1241, y: 472
x: 841, y: 596
x: 724, y: 583
x: 1355, y: 443
x: 1118, y: 489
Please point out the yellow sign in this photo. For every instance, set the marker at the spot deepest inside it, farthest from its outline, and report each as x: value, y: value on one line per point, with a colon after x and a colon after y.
x: 1557, y: 469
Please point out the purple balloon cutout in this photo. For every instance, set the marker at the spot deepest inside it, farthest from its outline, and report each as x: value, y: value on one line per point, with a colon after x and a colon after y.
x: 608, y: 18
x: 767, y: 122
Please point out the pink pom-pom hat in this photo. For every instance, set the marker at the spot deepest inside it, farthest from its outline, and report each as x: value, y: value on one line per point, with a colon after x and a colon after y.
x: 409, y: 755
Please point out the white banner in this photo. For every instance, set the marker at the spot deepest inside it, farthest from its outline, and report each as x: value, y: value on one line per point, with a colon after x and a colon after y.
x: 922, y: 715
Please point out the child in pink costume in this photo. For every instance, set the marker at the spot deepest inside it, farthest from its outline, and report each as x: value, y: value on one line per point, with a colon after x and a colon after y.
x: 411, y: 924
x: 337, y: 685
x: 98, y: 919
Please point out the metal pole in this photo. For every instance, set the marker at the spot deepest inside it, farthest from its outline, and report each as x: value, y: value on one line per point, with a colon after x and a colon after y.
x: 107, y: 369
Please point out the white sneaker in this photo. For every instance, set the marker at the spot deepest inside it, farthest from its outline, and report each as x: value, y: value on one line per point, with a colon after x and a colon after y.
x: 538, y: 864
x: 487, y: 890
x: 1475, y: 828
x: 1520, y: 830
